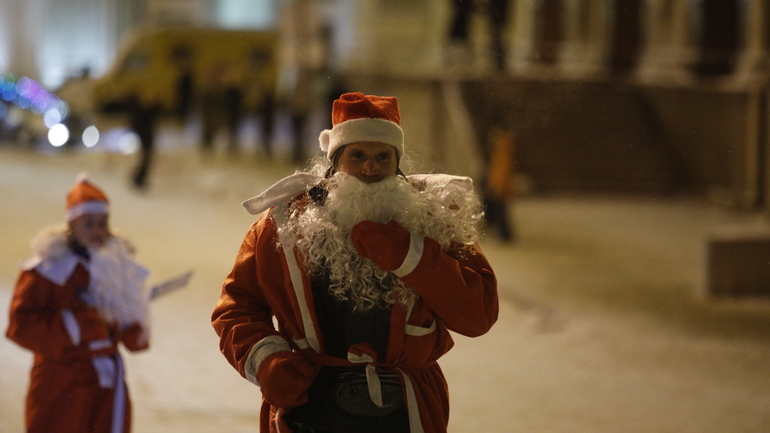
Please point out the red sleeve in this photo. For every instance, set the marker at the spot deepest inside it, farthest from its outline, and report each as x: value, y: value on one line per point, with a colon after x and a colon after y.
x: 460, y: 287
x: 242, y: 316
x: 36, y: 319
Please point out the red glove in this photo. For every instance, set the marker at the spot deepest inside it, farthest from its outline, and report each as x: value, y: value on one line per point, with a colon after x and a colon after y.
x: 385, y: 244
x: 134, y: 338
x: 284, y: 378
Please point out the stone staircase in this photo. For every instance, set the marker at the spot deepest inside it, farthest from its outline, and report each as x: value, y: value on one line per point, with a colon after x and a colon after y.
x: 578, y: 137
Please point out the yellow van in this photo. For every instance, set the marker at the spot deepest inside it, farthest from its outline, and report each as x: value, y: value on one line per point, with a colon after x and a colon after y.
x: 174, y: 68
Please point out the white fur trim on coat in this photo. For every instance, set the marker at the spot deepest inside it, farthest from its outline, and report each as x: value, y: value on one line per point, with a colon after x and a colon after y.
x: 51, y: 256
x: 362, y: 130
x: 416, y: 247
x: 260, y: 351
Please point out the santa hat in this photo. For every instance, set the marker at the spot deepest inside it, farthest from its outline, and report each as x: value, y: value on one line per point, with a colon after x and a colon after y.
x: 85, y: 198
x: 357, y: 118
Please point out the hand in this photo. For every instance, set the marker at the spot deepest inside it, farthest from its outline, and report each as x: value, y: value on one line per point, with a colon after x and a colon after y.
x: 284, y: 378
x: 385, y: 244
x: 134, y: 338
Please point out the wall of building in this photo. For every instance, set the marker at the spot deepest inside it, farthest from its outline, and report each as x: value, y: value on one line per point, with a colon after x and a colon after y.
x: 708, y: 96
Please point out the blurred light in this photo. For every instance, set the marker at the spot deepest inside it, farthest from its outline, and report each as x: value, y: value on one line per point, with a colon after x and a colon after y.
x: 24, y: 87
x: 9, y: 92
x: 51, y: 118
x: 90, y: 136
x: 62, y: 106
x: 23, y: 103
x: 128, y: 143
x: 58, y: 135
x: 14, y: 117
x: 254, y: 14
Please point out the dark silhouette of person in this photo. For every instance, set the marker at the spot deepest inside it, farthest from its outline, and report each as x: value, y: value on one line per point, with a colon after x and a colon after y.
x: 222, y: 108
x: 184, y: 83
x: 232, y: 101
x: 143, y: 116
x: 258, y: 96
x: 461, y: 15
x: 497, y: 13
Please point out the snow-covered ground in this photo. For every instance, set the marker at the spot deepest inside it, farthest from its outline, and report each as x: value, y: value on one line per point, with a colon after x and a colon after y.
x: 603, y: 326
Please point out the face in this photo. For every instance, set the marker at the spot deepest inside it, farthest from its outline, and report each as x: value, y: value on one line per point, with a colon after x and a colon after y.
x: 91, y: 230
x: 368, y: 161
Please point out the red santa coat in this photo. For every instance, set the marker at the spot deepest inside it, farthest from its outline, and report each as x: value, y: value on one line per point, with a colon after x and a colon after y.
x: 457, y: 293
x: 77, y: 383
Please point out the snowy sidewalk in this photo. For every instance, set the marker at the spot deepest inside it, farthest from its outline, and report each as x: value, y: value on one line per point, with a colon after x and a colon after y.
x: 602, y: 327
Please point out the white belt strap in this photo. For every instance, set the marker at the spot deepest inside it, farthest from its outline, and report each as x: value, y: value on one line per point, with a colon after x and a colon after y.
x: 372, y: 378
x: 109, y: 369
x: 100, y: 344
x: 106, y: 370
x: 119, y: 402
x: 415, y: 423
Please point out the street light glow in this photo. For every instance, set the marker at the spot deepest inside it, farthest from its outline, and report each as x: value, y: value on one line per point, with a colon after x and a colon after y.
x: 90, y: 136
x: 58, y: 135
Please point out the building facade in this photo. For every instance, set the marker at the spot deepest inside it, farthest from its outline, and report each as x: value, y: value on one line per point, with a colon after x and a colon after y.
x: 698, y: 69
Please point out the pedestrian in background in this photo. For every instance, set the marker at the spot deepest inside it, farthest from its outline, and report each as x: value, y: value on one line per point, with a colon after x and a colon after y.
x: 78, y: 297
x: 500, y: 183
x: 143, y: 115
x: 496, y: 13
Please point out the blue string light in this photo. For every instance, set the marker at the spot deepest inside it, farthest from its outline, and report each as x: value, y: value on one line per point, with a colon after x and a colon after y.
x: 28, y: 94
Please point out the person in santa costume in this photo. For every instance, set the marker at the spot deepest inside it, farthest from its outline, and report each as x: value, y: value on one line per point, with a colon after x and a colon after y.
x: 77, y: 297
x: 365, y: 271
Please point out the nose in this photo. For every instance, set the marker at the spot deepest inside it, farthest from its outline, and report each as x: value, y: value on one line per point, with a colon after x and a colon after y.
x: 370, y: 167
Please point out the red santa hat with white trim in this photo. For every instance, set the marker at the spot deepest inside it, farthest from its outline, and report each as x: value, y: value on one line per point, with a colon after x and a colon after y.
x: 85, y: 198
x: 363, y: 118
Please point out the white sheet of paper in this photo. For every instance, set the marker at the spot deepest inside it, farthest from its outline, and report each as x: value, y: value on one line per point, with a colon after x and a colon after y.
x: 170, y: 285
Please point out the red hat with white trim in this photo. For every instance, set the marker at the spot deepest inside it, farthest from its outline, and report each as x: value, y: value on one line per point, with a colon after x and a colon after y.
x: 85, y: 198
x: 363, y: 118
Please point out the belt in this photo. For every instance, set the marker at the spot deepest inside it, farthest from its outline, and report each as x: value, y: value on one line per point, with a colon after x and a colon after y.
x: 371, y: 379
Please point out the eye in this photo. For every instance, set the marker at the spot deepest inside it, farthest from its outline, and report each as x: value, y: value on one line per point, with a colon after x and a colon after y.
x: 383, y: 157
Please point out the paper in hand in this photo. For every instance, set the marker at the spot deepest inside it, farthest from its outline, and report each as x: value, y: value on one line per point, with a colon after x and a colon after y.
x: 170, y: 285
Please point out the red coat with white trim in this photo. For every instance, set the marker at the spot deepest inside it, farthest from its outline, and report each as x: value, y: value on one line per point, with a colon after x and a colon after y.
x: 457, y: 292
x: 77, y: 369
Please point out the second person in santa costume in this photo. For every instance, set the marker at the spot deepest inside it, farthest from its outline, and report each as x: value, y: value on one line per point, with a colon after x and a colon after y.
x: 79, y: 297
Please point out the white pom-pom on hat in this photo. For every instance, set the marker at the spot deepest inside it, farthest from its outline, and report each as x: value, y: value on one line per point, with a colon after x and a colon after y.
x: 82, y: 177
x: 324, y: 139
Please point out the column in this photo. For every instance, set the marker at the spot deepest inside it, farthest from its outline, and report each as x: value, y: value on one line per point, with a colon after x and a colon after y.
x: 392, y: 37
x: 754, y: 62
x: 522, y: 45
x: 7, y: 12
x: 584, y: 52
x: 668, y: 50
x: 23, y: 36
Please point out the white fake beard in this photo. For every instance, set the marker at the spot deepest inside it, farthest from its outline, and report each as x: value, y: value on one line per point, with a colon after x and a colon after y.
x: 117, y: 285
x: 322, y: 233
